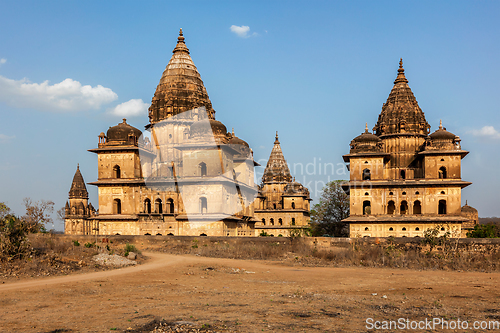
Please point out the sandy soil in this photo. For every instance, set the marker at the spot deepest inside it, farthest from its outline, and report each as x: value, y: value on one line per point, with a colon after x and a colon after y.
x: 243, y: 296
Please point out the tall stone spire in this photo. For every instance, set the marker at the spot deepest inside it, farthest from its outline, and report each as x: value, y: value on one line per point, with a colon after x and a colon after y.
x: 180, y: 88
x: 78, y: 189
x: 276, y: 170
x: 401, y: 113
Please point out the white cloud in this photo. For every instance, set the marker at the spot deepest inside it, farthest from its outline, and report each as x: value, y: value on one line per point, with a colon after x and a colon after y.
x: 3, y: 61
x: 242, y: 31
x: 134, y: 107
x: 5, y: 138
x: 68, y: 95
x: 486, y: 131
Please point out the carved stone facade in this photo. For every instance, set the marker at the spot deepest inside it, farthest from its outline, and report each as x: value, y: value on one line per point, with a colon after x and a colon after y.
x: 282, y: 204
x: 188, y: 177
x: 404, y: 180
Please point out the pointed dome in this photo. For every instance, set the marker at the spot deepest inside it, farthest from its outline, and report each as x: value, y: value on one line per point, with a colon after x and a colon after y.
x: 180, y: 88
x: 78, y: 189
x: 401, y: 113
x: 276, y: 170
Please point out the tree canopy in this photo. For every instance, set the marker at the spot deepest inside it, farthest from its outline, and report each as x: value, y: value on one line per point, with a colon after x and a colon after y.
x: 333, y: 207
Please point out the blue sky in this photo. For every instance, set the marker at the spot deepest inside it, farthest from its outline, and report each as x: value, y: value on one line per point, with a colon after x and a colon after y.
x: 314, y: 71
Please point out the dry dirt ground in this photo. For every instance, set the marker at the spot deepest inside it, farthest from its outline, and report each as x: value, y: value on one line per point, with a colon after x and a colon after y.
x: 243, y: 296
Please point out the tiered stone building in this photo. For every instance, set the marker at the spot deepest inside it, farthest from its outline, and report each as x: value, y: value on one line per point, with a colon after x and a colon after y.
x: 404, y: 180
x: 282, y: 204
x: 188, y: 176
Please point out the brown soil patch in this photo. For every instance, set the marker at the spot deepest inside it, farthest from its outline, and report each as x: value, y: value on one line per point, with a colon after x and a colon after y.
x: 243, y: 296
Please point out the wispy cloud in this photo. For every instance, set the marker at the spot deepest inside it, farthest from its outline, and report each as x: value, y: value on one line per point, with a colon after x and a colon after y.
x: 486, y: 131
x: 242, y: 31
x: 3, y: 61
x: 68, y: 95
x: 5, y: 138
x: 132, y: 108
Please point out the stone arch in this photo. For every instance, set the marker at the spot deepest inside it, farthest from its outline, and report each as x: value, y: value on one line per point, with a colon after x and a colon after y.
x: 442, y: 207
x: 367, y: 174
x: 117, y: 206
x: 442, y: 173
x: 391, y: 207
x: 417, y: 207
x: 203, y: 205
x: 158, y: 206
x: 147, y: 206
x: 116, y: 171
x: 367, y: 208
x: 403, y: 208
x: 203, y: 169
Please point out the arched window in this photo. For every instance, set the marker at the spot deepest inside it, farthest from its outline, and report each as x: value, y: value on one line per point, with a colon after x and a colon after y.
x: 391, y: 207
x: 272, y: 221
x: 293, y: 205
x: 117, y: 206
x: 403, y: 209
x: 158, y: 206
x: 170, y: 206
x: 417, y: 229
x: 116, y: 171
x: 391, y: 229
x: 404, y: 229
x: 203, y: 205
x: 274, y: 206
x: 403, y: 174
x: 293, y: 220
x: 442, y: 173
x: 264, y: 221
x: 280, y: 221
x: 147, y: 206
x: 203, y: 169
x: 367, y: 209
x: 442, y: 207
x: 367, y: 174
x: 417, y: 208
x: 367, y: 229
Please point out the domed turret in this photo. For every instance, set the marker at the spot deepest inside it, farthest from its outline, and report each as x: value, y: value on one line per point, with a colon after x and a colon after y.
x: 442, y: 134
x: 366, y: 142
x: 239, y: 145
x: 199, y: 130
x: 120, y: 134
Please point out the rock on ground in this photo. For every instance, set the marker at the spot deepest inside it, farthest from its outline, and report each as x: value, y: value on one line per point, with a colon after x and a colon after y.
x: 112, y: 260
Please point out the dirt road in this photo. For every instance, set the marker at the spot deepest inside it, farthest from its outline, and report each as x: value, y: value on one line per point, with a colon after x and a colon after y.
x: 245, y: 296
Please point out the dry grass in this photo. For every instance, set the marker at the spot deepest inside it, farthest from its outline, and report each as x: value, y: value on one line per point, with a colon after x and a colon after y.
x: 408, y: 255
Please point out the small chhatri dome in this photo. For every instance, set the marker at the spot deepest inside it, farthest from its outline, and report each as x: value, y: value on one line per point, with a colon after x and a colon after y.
x: 181, y: 88
x: 366, y: 136
x: 442, y: 133
x: 78, y: 189
x: 199, y: 129
x: 121, y: 132
x: 468, y: 209
x: 237, y: 141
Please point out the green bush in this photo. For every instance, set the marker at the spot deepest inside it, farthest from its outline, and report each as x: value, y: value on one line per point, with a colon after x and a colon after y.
x: 76, y: 243
x: 14, y: 241
x: 130, y: 248
x: 89, y: 244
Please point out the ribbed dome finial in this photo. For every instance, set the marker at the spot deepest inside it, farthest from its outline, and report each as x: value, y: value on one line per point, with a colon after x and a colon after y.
x: 366, y: 127
x: 276, y: 141
x: 400, y: 60
x: 440, y: 124
x: 233, y: 132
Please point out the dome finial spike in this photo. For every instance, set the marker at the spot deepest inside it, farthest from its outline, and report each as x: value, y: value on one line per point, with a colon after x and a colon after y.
x: 400, y: 62
x: 180, y: 32
x: 366, y: 127
x: 276, y: 141
x: 466, y: 202
x: 440, y: 124
x: 78, y: 166
x: 233, y: 132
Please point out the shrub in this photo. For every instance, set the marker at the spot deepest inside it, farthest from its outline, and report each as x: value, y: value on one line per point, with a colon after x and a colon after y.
x: 89, y: 244
x: 14, y: 241
x: 76, y: 243
x: 130, y: 248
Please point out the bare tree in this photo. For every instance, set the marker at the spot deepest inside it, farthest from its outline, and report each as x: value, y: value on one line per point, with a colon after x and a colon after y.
x: 37, y: 214
x: 4, y: 210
